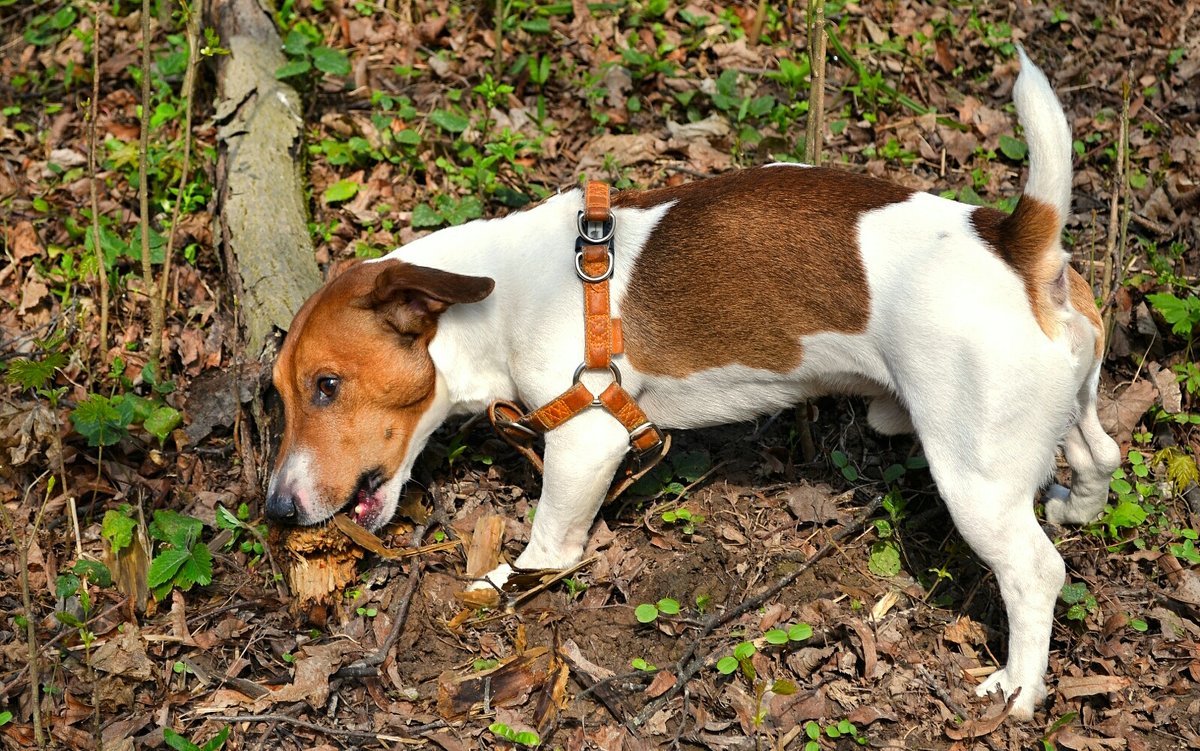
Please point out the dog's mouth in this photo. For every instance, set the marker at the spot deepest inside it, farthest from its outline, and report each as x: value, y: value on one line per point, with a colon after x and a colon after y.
x: 365, y: 506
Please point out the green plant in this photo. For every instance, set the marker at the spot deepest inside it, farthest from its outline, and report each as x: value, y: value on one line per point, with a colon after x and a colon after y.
x: 183, y: 561
x: 885, y: 552
x: 302, y: 45
x: 575, y: 587
x: 841, y: 729
x: 1081, y: 603
x: 649, y: 612
x: 639, y: 664
x: 180, y: 743
x: 522, y: 738
x: 683, y: 518
x: 105, y: 420
x: 672, y: 476
x: 240, y: 527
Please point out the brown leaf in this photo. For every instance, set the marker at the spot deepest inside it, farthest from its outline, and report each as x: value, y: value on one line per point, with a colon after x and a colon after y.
x: 812, y: 504
x: 1072, y: 687
x: 1168, y: 387
x: 625, y: 150
x: 311, y: 681
x: 1068, y: 738
x: 663, y: 681
x: 1120, y: 415
x: 23, y: 241
x: 124, y: 656
x: 965, y: 631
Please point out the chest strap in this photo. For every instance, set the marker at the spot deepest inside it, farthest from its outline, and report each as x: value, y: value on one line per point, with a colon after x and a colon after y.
x: 594, y: 261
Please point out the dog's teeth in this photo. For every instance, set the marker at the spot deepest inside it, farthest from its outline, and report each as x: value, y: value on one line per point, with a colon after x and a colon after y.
x: 360, y: 509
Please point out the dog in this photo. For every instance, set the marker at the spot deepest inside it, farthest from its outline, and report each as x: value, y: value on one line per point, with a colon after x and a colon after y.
x: 738, y: 296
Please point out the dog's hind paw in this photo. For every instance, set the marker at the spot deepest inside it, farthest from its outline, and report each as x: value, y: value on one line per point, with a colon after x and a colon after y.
x: 1059, y: 510
x: 493, y: 579
x: 1029, y: 698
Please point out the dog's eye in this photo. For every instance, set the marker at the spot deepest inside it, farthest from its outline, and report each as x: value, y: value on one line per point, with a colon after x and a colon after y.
x: 327, y: 388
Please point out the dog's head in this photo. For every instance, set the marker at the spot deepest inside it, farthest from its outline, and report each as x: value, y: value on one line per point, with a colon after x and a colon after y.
x: 356, y: 380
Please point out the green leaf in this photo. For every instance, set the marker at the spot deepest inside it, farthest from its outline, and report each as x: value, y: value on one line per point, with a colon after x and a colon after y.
x: 407, y: 137
x: 342, y: 190
x: 95, y: 571
x: 178, y: 529
x: 776, y: 636
x: 1073, y: 593
x: 331, y: 61
x: 784, y: 687
x: 527, y: 738
x: 885, y: 558
x: 177, y: 741
x: 293, y: 68
x: 296, y: 43
x: 1012, y: 148
x: 726, y: 665
x: 34, y: 374
x: 645, y: 613
x: 744, y: 650
x: 668, y: 606
x: 197, y: 569
x: 225, y: 518
x: 66, y: 585
x: 800, y: 632
x: 117, y: 527
x: 893, y: 473
x: 451, y: 122
x: 97, y: 420
x: 162, y: 421
x: 690, y: 466
x: 166, y: 565
x: 424, y: 216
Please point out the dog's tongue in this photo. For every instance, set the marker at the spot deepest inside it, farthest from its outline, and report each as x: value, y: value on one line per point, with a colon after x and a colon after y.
x: 366, y: 504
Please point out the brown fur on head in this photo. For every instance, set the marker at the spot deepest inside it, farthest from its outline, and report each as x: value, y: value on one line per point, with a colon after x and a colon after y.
x: 355, y: 377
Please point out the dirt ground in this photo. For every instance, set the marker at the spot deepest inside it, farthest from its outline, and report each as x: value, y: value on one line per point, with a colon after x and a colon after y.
x: 887, y: 621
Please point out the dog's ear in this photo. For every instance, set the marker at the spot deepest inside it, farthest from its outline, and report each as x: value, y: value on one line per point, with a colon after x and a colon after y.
x: 412, y: 297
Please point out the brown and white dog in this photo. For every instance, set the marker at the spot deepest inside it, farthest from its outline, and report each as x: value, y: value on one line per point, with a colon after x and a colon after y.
x: 739, y: 295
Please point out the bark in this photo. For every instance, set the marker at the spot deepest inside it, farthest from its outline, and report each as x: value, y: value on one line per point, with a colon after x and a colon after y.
x: 260, y: 188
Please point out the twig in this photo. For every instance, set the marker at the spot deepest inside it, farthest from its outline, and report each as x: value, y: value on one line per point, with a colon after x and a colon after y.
x: 816, y: 95
x: 22, y: 546
x: 1115, y: 244
x: 760, y: 16
x: 191, y: 22
x: 97, y: 247
x: 156, y: 323
x: 342, y: 732
x: 687, y: 667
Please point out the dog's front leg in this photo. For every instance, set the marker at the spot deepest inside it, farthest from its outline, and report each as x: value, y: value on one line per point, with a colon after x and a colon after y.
x: 582, y: 455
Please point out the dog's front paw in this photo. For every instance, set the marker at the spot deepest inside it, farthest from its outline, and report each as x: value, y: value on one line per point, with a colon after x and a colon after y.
x: 1026, y: 702
x: 493, y: 579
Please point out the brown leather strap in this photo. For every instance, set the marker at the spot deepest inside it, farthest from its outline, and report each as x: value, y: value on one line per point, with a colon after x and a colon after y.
x: 603, y: 338
x: 595, y: 202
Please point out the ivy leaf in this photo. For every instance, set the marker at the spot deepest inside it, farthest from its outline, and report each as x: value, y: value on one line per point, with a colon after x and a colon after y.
x: 342, y: 190
x: 424, y: 216
x: 97, y: 420
x: 331, y: 61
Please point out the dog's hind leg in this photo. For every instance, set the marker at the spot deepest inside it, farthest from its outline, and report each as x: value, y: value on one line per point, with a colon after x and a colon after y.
x: 888, y: 416
x: 991, y: 503
x: 1093, y: 456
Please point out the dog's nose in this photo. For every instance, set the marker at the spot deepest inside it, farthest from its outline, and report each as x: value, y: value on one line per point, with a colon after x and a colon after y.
x: 281, y: 506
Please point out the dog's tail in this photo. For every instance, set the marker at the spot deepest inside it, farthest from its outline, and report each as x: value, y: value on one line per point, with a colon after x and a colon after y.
x: 1029, y: 237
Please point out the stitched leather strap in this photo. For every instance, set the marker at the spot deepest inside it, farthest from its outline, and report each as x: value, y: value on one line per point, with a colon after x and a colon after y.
x: 603, y: 338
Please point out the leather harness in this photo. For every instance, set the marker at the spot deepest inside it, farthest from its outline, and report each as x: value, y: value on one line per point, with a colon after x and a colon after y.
x: 594, y: 262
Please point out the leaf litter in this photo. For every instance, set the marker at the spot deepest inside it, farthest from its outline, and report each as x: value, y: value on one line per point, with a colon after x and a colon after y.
x: 645, y: 100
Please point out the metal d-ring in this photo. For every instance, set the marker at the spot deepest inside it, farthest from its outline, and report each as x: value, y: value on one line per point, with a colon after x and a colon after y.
x: 612, y: 368
x: 608, y: 270
x: 607, y: 228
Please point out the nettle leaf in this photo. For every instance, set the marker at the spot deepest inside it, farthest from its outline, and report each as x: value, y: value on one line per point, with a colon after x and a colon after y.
x: 117, y: 527
x: 197, y: 569
x: 331, y: 61
x: 34, y: 374
x: 98, y: 420
x: 162, y: 421
x: 342, y: 190
x: 178, y: 529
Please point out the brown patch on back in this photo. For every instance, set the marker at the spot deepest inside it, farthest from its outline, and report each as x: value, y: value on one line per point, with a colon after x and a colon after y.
x: 1083, y: 301
x: 1025, y: 240
x: 743, y: 266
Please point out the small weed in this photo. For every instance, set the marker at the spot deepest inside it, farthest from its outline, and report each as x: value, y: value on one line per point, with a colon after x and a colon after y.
x: 239, y: 525
x: 184, y: 561
x: 303, y: 46
x: 575, y: 588
x: 639, y: 664
x: 840, y: 729
x: 523, y: 738
x: 481, y: 665
x: 179, y: 743
x: 672, y: 476
x: 1081, y: 603
x: 684, y: 519
x: 885, y: 552
x: 649, y: 612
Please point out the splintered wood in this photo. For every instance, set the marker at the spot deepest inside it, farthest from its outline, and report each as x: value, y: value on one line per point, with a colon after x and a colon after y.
x: 483, y: 555
x: 317, y: 562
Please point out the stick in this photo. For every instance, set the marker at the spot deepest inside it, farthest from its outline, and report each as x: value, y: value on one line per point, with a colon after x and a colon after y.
x: 156, y: 321
x: 101, y: 265
x: 687, y: 667
x: 815, y: 129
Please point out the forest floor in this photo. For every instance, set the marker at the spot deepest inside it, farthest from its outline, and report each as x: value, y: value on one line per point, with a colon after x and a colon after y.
x: 415, y: 118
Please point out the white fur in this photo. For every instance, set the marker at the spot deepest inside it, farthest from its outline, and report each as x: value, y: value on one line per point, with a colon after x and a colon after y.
x: 951, y: 350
